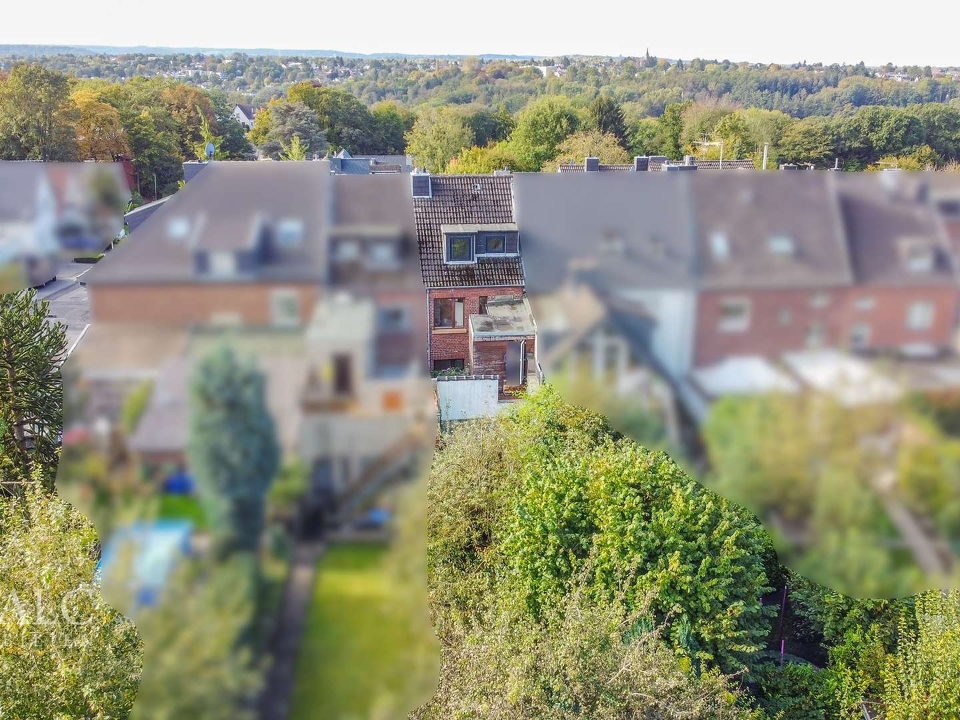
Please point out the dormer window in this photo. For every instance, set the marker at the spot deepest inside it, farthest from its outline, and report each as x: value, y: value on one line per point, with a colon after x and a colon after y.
x: 290, y: 232
x: 223, y: 264
x: 460, y: 249
x: 495, y: 244
x: 383, y: 255
x: 720, y: 246
x: 782, y: 245
x: 918, y: 255
x: 347, y: 250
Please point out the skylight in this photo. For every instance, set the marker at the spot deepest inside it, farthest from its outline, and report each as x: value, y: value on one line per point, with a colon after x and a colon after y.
x: 781, y: 245
x: 290, y: 232
x: 178, y: 227
x: 720, y: 246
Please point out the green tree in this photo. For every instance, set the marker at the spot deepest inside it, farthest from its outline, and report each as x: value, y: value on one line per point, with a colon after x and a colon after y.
x: 344, y: 121
x: 234, y: 144
x: 37, y: 117
x: 921, y: 679
x: 581, y: 659
x: 437, y: 136
x: 806, y: 141
x: 31, y: 404
x: 195, y: 659
x: 296, y: 150
x: 207, y: 136
x: 584, y: 144
x: 670, y: 130
x: 283, y: 121
x: 606, y: 117
x: 391, y: 122
x: 488, y: 126
x: 157, y: 158
x: 541, y: 127
x: 64, y: 652
x: 232, y: 450
x: 483, y: 160
x: 579, y: 494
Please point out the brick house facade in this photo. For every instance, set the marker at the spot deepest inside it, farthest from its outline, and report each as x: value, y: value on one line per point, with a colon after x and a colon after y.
x: 859, y: 318
x: 247, y: 304
x: 449, y: 344
x: 469, y: 253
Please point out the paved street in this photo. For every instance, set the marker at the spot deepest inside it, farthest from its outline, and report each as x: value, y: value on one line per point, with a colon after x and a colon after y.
x: 68, y: 301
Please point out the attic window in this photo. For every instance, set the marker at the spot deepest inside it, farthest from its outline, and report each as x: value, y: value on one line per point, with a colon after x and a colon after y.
x: 383, y: 255
x: 290, y: 232
x: 720, y: 246
x: 178, y: 227
x: 919, y: 257
x: 422, y: 186
x: 781, y: 245
x: 460, y: 249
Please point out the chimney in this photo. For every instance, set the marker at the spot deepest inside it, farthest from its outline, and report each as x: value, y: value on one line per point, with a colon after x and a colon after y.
x: 641, y: 163
x: 689, y: 160
x: 766, y: 147
x: 591, y: 164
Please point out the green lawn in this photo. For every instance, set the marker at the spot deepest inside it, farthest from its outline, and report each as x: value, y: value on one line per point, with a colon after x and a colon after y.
x: 351, y: 652
x: 182, y: 507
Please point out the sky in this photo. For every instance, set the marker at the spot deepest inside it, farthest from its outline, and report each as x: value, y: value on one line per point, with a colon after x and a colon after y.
x: 825, y: 31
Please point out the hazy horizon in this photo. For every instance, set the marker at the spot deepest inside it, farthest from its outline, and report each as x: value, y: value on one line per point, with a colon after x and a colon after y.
x: 820, y: 31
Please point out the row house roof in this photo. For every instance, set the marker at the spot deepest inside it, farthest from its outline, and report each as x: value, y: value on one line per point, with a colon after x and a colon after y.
x: 451, y: 200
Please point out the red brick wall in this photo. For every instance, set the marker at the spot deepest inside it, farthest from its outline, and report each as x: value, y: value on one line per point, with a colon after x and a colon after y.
x: 455, y: 344
x: 769, y: 336
x: 185, y: 305
x: 766, y: 334
x: 888, y: 318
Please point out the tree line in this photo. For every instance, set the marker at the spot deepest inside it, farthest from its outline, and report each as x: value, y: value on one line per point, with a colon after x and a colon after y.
x: 160, y: 123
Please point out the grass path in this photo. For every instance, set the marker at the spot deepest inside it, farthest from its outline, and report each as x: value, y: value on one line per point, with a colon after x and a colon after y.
x: 353, y: 644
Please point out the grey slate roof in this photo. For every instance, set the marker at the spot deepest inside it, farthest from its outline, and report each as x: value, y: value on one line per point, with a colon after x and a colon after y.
x: 248, y: 110
x: 465, y: 200
x: 620, y: 230
x: 882, y: 210
x: 222, y: 208
x: 750, y: 210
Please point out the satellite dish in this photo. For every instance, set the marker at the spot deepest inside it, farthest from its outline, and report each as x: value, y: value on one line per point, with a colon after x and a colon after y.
x: 211, y: 149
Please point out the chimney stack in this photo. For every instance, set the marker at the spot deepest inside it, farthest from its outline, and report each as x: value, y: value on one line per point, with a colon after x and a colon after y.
x: 766, y: 146
x: 591, y: 164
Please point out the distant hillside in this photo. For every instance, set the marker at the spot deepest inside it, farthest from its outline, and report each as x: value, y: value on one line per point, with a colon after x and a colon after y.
x: 48, y: 50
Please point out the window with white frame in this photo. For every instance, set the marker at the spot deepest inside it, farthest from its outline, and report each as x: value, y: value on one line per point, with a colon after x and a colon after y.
x: 920, y: 315
x: 290, y: 232
x: 285, y: 307
x: 223, y: 263
x: 734, y: 315
x: 460, y: 249
x: 720, y: 246
x: 348, y: 250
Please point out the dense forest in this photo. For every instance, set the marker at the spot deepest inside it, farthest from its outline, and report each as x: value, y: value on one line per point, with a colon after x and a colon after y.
x: 473, y: 115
